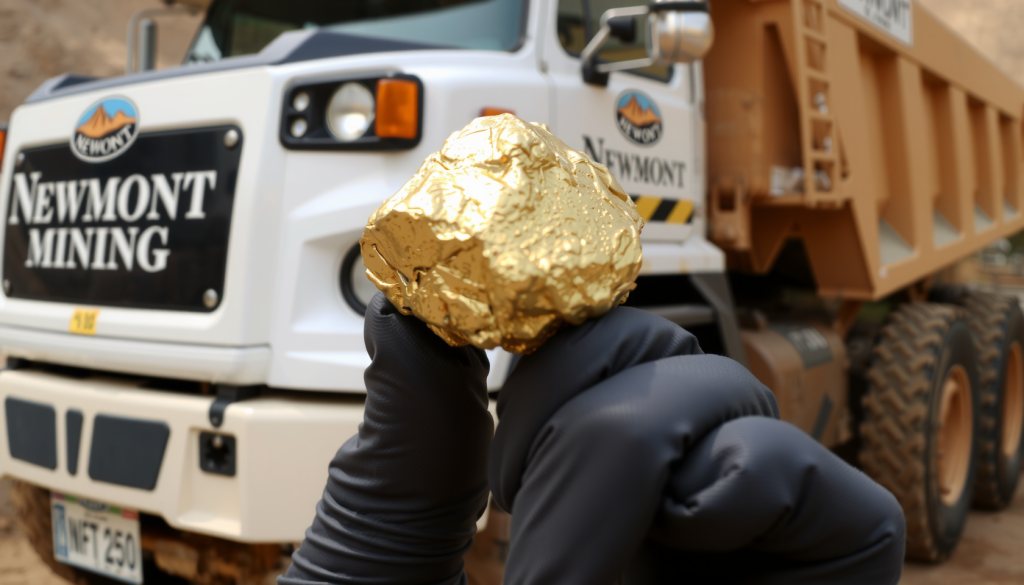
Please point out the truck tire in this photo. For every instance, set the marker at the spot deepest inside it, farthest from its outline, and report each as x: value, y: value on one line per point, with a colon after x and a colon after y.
x: 998, y: 327
x: 919, y: 431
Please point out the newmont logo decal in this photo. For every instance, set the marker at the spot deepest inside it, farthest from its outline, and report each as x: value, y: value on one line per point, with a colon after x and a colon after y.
x: 638, y: 118
x: 105, y: 130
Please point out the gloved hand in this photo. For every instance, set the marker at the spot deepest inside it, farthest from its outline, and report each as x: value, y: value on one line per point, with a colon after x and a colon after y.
x: 591, y: 425
x: 619, y: 438
x: 760, y: 501
x: 404, y: 494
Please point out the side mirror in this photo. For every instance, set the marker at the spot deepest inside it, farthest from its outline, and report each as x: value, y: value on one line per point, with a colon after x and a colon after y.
x: 677, y: 32
x: 676, y: 36
x: 623, y: 28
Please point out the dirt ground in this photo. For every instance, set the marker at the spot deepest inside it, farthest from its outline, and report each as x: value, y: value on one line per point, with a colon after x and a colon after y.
x: 19, y: 564
x: 989, y: 553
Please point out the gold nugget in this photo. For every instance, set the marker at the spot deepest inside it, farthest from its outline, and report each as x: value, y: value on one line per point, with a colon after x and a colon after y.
x: 503, y: 236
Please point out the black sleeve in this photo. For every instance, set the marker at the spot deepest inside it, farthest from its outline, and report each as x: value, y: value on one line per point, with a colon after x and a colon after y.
x: 404, y: 494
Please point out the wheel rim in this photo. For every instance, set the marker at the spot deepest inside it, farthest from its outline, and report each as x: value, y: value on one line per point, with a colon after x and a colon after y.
x: 954, y: 440
x: 1013, y: 401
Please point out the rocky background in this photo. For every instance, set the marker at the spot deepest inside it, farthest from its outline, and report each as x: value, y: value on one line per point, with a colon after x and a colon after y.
x: 40, y: 39
x: 43, y: 38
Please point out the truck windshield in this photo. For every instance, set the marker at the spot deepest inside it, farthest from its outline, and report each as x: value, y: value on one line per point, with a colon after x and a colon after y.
x: 243, y: 27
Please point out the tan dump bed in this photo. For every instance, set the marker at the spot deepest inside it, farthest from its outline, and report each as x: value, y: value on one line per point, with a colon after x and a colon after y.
x: 891, y: 148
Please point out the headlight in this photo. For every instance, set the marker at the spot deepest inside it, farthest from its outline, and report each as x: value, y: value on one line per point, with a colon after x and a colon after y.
x: 376, y: 113
x: 356, y: 288
x: 350, y: 111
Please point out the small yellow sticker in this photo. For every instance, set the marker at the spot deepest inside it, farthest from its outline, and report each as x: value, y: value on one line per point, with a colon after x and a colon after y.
x: 83, y: 322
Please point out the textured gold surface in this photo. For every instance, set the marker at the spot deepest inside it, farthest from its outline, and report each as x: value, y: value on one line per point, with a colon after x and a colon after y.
x: 504, y: 235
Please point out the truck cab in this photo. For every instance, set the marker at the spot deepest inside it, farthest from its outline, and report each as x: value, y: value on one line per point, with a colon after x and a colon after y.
x: 182, y: 288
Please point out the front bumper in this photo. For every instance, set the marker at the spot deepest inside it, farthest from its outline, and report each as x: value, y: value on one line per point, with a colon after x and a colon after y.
x: 284, y: 444
x: 241, y: 366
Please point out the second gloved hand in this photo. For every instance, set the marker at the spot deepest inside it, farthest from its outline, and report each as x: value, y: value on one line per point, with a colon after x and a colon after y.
x: 403, y: 495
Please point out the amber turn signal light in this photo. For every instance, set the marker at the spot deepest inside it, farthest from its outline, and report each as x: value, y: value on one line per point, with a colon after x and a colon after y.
x: 488, y: 111
x: 398, y: 108
x: 3, y: 140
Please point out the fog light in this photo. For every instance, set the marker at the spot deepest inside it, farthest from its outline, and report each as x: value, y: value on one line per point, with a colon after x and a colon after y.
x: 356, y: 288
x: 3, y: 138
x: 301, y: 101
x: 218, y: 453
x: 350, y: 112
x: 299, y: 127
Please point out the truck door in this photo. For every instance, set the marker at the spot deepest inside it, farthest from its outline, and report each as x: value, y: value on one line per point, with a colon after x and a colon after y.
x: 641, y: 126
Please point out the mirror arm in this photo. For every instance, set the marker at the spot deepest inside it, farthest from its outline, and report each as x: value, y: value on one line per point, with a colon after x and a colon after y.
x: 590, y: 51
x: 623, y: 65
x: 594, y: 73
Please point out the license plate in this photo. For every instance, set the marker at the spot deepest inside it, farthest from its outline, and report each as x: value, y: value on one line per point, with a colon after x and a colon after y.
x: 97, y: 537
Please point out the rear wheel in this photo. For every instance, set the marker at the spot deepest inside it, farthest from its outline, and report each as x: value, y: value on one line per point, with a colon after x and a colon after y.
x: 998, y: 327
x: 919, y: 422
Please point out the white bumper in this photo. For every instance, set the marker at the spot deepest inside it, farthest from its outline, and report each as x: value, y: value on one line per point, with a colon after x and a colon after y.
x: 284, y: 446
x: 242, y: 366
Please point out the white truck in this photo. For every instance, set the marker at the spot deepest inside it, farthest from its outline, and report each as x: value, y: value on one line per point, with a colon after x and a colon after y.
x: 183, y: 292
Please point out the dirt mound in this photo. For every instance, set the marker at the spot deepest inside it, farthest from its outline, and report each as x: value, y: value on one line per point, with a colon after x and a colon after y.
x: 19, y: 564
x: 43, y: 38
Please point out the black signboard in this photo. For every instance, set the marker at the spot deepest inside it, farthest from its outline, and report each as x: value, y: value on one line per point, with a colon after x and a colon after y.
x: 148, y: 229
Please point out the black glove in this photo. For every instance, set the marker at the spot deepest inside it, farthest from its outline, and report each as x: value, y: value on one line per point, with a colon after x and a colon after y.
x: 403, y: 495
x: 610, y: 447
x: 590, y: 427
x: 760, y: 501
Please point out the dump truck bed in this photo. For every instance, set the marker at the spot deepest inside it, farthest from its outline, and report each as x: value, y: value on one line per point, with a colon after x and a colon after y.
x: 882, y: 140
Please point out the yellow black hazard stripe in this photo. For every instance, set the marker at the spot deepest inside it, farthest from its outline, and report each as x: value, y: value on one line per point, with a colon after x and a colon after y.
x: 652, y: 208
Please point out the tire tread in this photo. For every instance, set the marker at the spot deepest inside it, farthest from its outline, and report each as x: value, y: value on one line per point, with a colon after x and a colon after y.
x: 988, y: 317
x: 896, y: 408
